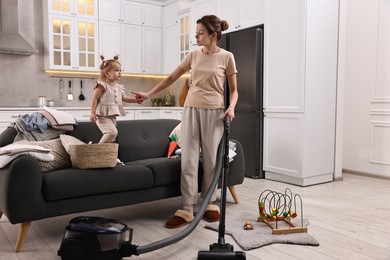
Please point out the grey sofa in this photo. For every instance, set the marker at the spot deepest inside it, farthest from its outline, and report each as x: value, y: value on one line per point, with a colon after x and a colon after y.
x: 27, y: 195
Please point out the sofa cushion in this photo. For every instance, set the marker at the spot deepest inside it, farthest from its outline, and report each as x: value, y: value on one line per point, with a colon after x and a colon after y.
x: 72, y: 183
x: 165, y: 170
x: 144, y: 139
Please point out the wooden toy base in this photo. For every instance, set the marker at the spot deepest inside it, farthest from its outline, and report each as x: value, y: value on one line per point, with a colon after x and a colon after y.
x: 282, y: 231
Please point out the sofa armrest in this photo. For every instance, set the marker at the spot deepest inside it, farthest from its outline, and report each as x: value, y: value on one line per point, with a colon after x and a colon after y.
x: 237, y: 166
x: 21, y: 196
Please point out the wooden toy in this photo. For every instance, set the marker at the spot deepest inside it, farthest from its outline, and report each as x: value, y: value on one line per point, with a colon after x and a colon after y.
x: 275, y: 207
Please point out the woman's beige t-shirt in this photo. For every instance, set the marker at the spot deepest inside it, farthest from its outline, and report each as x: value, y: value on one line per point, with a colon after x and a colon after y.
x: 208, y: 77
x: 110, y: 102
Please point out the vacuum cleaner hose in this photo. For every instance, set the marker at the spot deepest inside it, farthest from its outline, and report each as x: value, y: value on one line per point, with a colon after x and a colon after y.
x: 188, y: 230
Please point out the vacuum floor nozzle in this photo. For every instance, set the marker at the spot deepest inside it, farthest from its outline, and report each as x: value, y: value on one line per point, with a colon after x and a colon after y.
x: 221, y: 251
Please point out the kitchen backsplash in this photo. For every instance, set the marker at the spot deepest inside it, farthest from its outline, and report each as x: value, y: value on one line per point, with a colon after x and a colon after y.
x: 23, y: 78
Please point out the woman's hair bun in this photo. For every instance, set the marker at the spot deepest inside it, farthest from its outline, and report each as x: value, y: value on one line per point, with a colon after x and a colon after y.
x: 224, y: 25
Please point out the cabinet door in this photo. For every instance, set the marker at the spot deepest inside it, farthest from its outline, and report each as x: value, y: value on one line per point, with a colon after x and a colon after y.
x: 229, y: 10
x: 184, y: 35
x: 85, y: 9
x: 131, y: 48
x: 151, y: 50
x: 151, y: 15
x: 60, y: 41
x: 283, y: 149
x: 171, y: 53
x: 170, y: 15
x: 284, y: 56
x: 252, y: 12
x: 110, y: 10
x: 86, y: 44
x: 199, y: 9
x: 109, y: 40
x: 131, y: 12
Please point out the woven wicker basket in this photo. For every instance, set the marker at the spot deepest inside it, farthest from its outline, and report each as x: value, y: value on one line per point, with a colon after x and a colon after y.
x: 87, y: 156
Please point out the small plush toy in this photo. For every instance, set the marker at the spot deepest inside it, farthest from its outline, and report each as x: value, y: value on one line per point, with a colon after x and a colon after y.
x: 172, y: 145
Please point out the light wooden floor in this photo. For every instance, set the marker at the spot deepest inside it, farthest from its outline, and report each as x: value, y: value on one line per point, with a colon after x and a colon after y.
x: 349, y: 218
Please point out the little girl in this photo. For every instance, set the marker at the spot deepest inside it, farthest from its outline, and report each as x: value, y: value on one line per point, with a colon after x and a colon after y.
x: 107, y: 99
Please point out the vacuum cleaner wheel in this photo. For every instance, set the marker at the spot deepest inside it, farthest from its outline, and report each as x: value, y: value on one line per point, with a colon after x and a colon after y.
x: 72, y: 249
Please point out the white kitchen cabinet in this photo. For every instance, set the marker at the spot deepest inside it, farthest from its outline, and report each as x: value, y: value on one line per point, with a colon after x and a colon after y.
x: 129, y: 115
x: 300, y: 75
x: 72, y: 43
x: 81, y: 115
x: 8, y: 117
x: 151, y: 50
x: 171, y: 55
x: 199, y: 8
x: 71, y: 37
x: 241, y: 14
x: 138, y: 43
x: 184, y: 34
x: 127, y: 44
x: 130, y: 12
x: 146, y: 114
x: 170, y: 114
x: 85, y: 9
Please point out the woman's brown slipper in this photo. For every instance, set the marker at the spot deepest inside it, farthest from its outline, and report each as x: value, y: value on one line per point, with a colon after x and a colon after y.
x: 212, y: 213
x: 179, y: 219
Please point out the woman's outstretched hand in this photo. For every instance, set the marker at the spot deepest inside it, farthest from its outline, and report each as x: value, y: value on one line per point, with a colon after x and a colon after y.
x: 140, y: 96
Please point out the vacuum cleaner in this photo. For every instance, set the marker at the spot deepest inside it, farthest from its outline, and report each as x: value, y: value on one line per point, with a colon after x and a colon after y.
x: 94, y: 238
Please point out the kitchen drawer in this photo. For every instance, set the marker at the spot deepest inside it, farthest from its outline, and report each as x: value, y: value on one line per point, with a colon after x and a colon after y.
x: 80, y: 115
x: 129, y: 115
x: 170, y: 114
x: 146, y: 114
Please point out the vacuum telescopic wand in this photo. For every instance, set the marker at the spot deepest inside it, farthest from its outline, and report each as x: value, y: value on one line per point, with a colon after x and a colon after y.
x: 222, y: 250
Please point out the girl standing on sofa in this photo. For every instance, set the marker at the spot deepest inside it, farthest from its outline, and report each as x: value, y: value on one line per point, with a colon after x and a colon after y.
x: 107, y: 99
x: 203, y: 113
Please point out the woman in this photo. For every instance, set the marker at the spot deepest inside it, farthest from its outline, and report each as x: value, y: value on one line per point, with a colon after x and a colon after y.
x: 203, y: 113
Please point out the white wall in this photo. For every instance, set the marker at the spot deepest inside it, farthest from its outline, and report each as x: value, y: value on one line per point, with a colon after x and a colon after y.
x: 366, y: 137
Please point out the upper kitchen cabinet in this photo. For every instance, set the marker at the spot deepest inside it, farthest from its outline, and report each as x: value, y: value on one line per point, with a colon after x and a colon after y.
x: 80, y: 8
x: 173, y: 23
x: 71, y: 38
x: 241, y: 14
x: 133, y: 31
x: 199, y: 8
x: 130, y: 12
x: 300, y: 84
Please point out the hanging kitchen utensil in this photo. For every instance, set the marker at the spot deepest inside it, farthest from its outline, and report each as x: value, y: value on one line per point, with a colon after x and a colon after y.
x: 70, y: 94
x: 81, y: 96
x: 61, y: 85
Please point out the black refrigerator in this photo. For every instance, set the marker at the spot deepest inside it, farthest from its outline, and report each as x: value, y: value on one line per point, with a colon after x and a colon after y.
x: 247, y: 127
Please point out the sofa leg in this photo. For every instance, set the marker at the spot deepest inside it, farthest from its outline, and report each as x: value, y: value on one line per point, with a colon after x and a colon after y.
x: 24, y: 227
x: 232, y: 190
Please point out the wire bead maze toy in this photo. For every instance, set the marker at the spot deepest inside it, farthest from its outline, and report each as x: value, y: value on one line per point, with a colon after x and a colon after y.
x: 275, y: 206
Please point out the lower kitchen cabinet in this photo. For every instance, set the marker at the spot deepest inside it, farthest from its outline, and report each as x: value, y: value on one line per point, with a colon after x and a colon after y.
x: 146, y: 114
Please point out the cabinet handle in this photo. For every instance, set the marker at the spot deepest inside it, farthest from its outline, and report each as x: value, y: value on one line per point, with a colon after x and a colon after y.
x: 146, y: 112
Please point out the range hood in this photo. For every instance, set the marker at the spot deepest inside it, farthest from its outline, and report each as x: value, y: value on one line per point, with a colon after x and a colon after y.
x: 11, y: 37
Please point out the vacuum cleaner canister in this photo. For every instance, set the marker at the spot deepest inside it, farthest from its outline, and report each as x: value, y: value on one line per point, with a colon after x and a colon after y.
x: 88, y: 238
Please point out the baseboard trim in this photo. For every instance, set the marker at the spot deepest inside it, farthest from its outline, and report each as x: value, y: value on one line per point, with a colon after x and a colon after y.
x: 366, y: 174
